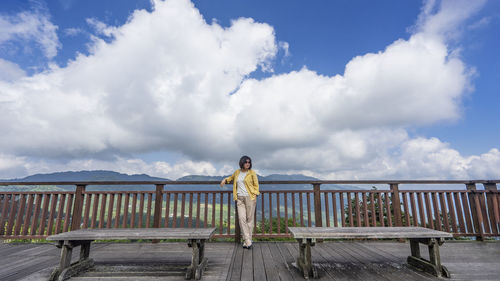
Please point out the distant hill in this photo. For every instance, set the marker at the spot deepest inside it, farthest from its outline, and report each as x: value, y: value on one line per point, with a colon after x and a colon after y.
x: 101, y: 175
x: 97, y: 175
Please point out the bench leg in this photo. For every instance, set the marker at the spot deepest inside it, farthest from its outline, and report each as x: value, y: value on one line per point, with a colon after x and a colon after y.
x: 66, y: 269
x: 304, y: 261
x: 433, y: 265
x: 198, y: 260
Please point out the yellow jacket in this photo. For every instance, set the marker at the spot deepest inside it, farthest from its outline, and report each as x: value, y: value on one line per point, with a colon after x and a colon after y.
x: 251, y: 183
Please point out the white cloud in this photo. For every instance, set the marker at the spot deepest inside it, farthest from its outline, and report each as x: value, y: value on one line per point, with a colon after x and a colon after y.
x: 73, y: 31
x: 34, y: 25
x: 444, y: 18
x: 169, y: 80
x: 10, y: 71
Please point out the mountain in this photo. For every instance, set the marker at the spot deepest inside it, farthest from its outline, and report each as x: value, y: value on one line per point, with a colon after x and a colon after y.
x: 98, y: 175
x: 101, y: 175
x: 82, y: 176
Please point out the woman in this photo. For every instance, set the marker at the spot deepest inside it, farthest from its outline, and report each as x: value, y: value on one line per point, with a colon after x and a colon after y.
x: 245, y: 191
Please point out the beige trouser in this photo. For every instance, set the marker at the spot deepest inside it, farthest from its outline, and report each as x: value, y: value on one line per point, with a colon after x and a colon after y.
x: 246, y: 211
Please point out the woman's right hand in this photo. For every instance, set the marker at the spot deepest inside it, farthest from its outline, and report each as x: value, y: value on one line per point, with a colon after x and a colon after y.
x: 222, y: 183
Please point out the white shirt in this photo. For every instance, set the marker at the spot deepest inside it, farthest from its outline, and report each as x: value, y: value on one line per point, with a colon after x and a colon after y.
x: 242, y: 190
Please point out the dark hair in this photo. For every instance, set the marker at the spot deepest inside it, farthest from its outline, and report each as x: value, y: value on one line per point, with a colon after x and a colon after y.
x: 243, y: 159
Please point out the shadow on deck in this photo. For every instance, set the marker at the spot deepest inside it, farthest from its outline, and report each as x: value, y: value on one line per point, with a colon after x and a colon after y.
x: 347, y: 260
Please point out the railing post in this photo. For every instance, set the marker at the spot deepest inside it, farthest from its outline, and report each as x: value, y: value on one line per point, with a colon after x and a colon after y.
x: 317, y: 205
x: 492, y: 206
x: 475, y: 210
x: 158, y: 205
x: 396, y: 204
x: 76, y: 217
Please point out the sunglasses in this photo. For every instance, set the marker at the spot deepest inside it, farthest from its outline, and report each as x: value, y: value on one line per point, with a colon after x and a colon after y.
x: 248, y: 161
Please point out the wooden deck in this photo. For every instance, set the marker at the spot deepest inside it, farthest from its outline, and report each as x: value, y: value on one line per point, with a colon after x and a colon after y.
x: 347, y: 260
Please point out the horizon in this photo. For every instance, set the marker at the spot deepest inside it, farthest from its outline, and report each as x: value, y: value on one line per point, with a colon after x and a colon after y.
x: 351, y: 90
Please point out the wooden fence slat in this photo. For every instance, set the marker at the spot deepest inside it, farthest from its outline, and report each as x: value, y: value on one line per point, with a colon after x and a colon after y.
x: 167, y: 210
x: 20, y: 213
x: 358, y: 211
x: 229, y: 213
x: 198, y: 214
x: 27, y: 217
x: 293, y: 209
x: 111, y: 207
x: 387, y: 206
x: 133, y: 211
x: 69, y: 205
x: 365, y: 207
x: 413, y: 209
x: 334, y: 206
x: 174, y: 212
x: 60, y: 211
x: 270, y: 212
x: 444, y: 212
x: 104, y: 198
x: 451, y: 212
x: 495, y: 199
x: 118, y: 210
x: 141, y: 210
x: 465, y: 206
x: 327, y: 208
x: 12, y: 215
x: 5, y: 200
x: 213, y: 209
x: 278, y: 226
x: 497, y: 211
x: 342, y: 211
x: 479, y: 215
x: 95, y: 206
x: 380, y: 209
x: 205, y: 222
x: 421, y: 208
x: 374, y: 214
x: 190, y: 212
x: 301, y: 215
x: 428, y: 209
x: 183, y: 208
x: 349, y: 211
x: 221, y: 212
x: 34, y: 222
x: 484, y: 210
x: 309, y: 219
x: 406, y: 209
x: 437, y: 215
x: 45, y: 207
x: 148, y: 211
x: 52, y: 213
x: 461, y: 222
x: 125, y: 211
x: 86, y: 213
x: 286, y: 211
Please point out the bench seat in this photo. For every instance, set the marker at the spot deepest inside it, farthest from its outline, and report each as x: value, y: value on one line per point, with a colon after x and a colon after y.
x: 196, y: 238
x: 306, y: 236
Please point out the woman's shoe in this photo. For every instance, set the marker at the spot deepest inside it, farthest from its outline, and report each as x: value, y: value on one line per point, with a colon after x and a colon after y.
x: 249, y: 247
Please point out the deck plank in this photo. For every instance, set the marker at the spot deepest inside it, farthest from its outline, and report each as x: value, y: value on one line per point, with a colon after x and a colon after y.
x: 259, y: 271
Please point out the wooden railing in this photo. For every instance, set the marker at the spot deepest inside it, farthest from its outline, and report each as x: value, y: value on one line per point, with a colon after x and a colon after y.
x: 463, y: 212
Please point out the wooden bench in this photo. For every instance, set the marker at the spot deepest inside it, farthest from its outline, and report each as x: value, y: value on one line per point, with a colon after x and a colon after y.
x: 306, y: 236
x: 68, y: 240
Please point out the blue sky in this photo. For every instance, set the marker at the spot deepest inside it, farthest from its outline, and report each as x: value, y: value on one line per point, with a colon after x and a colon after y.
x: 333, y: 89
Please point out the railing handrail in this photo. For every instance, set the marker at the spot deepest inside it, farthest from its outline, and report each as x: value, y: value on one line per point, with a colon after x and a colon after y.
x: 8, y: 183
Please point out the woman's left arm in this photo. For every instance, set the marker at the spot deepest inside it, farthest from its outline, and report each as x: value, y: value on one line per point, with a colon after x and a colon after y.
x: 255, y: 183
